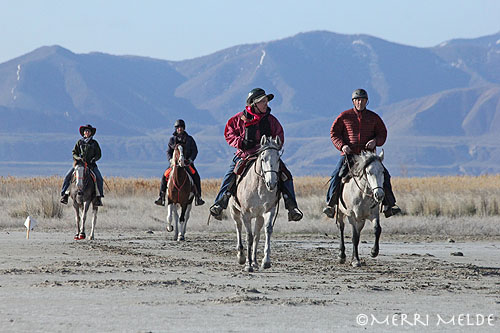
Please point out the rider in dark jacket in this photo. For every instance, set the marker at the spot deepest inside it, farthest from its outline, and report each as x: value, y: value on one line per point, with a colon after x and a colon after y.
x: 86, y: 150
x: 190, y: 152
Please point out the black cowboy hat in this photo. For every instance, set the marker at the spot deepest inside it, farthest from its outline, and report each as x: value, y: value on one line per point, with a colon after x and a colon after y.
x: 89, y: 127
x: 256, y: 95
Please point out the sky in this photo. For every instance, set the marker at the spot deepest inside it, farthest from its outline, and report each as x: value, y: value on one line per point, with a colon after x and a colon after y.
x: 183, y: 29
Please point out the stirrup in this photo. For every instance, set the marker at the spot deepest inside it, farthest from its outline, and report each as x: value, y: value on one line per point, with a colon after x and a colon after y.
x: 216, y: 211
x: 198, y: 201
x: 160, y: 201
x: 64, y: 199
x: 391, y: 211
x: 97, y: 201
x: 329, y: 211
x: 295, y: 214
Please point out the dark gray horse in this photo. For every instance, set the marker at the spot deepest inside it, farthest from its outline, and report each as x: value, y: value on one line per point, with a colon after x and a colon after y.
x: 83, y: 193
x: 360, y: 201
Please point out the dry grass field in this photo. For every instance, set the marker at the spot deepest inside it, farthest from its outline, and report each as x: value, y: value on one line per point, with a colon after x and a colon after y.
x: 446, y: 206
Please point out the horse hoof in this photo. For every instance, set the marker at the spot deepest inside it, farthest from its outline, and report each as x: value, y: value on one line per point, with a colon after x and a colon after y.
x: 356, y: 264
x: 249, y: 269
x: 241, y: 260
x: 341, y: 258
x: 170, y: 228
x: 180, y: 238
x: 266, y: 264
x: 374, y: 253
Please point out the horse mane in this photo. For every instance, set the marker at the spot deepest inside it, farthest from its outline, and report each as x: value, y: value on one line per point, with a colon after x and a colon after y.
x: 363, y: 160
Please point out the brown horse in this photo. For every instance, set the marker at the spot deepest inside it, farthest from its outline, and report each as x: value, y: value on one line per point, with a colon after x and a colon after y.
x: 83, y: 193
x: 180, y: 194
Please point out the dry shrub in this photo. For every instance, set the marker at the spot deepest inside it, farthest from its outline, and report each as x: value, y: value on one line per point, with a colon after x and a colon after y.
x: 451, y: 196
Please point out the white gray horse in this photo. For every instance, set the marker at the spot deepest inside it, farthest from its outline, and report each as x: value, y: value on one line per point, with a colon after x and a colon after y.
x: 256, y: 198
x: 83, y: 193
x: 360, y: 201
x: 180, y: 194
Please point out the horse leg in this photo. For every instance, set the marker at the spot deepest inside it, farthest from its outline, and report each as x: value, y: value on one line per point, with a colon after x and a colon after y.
x: 170, y: 217
x: 248, y: 227
x: 356, y: 232
x: 259, y: 222
x: 266, y: 261
x: 341, y: 226
x: 94, y: 221
x: 239, y: 245
x: 77, y: 219
x: 378, y: 230
x: 86, y: 206
x: 183, y: 221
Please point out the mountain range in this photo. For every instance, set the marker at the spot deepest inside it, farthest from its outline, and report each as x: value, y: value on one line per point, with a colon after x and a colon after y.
x: 441, y: 104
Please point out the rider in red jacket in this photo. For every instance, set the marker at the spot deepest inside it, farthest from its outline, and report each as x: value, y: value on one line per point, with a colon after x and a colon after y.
x: 243, y: 132
x: 355, y: 130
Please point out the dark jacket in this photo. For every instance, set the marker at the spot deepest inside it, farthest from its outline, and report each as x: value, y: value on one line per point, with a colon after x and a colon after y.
x: 87, y: 152
x: 190, y: 149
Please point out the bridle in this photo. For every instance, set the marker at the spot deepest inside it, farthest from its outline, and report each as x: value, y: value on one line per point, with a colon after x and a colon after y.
x: 176, y: 165
x: 263, y: 172
x: 365, y: 176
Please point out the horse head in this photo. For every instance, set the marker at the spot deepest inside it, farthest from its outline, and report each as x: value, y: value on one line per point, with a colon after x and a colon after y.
x: 370, y: 166
x: 269, y: 161
x: 79, y: 175
x: 178, y: 157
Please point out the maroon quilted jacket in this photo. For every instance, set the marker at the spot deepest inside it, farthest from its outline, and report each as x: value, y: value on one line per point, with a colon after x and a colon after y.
x: 355, y: 129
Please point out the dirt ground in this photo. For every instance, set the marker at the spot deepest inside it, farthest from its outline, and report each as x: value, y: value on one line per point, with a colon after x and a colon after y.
x: 138, y: 281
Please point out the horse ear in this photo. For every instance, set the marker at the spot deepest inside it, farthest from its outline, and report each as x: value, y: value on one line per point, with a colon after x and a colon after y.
x: 381, y: 155
x: 263, y: 140
x: 278, y: 141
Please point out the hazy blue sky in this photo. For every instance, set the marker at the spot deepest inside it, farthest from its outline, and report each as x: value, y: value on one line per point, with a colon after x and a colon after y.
x: 182, y: 29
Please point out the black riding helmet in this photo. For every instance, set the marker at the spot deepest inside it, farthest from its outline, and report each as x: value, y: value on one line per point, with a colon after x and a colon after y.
x: 180, y: 123
x: 257, y: 94
x: 359, y: 93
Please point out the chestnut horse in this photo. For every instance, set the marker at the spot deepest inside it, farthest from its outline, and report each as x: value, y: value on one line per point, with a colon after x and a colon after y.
x: 180, y: 194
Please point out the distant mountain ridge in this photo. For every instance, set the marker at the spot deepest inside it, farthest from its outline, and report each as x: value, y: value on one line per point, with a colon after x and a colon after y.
x: 440, y: 104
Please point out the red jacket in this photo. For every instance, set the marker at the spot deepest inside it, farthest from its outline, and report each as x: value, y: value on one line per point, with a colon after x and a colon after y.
x: 235, y: 133
x: 355, y: 129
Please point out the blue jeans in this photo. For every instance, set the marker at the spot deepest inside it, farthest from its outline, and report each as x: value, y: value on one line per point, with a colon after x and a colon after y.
x: 69, y: 175
x: 228, y: 179
x: 335, y: 179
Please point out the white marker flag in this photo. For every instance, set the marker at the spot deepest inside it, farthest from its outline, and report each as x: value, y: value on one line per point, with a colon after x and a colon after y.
x: 30, y: 223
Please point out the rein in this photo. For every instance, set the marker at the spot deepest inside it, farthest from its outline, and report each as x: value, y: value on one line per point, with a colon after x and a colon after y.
x: 176, y: 186
x: 365, y: 176
x: 262, y: 174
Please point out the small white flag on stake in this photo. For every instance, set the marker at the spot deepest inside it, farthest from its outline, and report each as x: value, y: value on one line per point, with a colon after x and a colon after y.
x: 30, y: 224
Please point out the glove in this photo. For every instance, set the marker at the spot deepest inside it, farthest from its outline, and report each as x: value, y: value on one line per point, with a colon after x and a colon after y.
x: 247, y: 144
x: 346, y: 149
x: 370, y: 145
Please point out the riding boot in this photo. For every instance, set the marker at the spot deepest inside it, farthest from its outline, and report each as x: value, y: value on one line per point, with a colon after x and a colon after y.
x: 161, y: 199
x: 97, y: 201
x: 219, y: 206
x: 294, y: 213
x: 389, y: 206
x: 64, y: 198
x: 198, y: 201
x: 329, y: 210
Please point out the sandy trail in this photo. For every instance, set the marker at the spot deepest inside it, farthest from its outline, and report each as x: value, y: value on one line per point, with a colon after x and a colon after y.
x: 142, y: 282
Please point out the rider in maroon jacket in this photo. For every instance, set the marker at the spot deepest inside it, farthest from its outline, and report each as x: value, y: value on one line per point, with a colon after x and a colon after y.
x: 243, y: 132
x: 355, y: 130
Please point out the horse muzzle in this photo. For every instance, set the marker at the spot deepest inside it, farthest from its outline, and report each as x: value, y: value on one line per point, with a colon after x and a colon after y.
x: 378, y: 194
